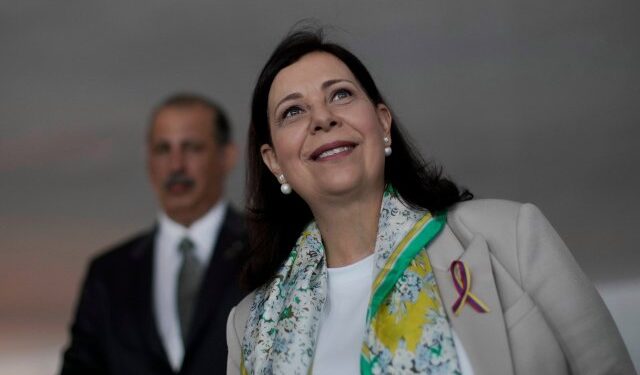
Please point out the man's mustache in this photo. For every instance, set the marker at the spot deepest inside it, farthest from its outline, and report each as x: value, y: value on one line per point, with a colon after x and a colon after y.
x: 178, y: 178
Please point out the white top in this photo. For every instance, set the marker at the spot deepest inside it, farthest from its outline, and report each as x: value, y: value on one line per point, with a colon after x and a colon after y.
x: 343, y: 322
x: 166, y: 265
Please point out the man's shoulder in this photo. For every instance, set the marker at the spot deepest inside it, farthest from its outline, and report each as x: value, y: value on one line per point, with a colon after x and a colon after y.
x: 232, y: 241
x: 235, y: 219
x: 122, y: 252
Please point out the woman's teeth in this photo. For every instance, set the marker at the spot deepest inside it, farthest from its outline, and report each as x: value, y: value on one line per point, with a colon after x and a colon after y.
x: 334, y: 151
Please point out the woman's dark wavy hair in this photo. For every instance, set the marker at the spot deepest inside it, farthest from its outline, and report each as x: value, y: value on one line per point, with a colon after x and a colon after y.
x: 276, y: 220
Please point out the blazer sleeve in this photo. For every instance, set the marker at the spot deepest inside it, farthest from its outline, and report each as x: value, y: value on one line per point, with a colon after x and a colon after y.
x: 567, y: 299
x: 233, y: 343
x: 84, y: 354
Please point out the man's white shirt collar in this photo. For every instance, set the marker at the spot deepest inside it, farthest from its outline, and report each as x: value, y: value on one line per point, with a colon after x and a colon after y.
x: 167, y: 260
x: 203, y: 232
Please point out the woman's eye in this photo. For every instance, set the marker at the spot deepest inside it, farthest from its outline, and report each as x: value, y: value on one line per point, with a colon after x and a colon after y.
x: 341, y: 94
x: 291, y: 112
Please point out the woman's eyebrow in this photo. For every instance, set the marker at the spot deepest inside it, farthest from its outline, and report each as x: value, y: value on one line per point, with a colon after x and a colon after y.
x: 293, y: 95
x: 331, y: 82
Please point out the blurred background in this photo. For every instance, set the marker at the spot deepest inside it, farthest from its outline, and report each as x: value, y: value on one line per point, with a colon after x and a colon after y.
x: 535, y: 101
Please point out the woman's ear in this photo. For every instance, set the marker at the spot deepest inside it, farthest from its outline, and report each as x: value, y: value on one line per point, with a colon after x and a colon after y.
x: 385, y: 118
x: 270, y: 159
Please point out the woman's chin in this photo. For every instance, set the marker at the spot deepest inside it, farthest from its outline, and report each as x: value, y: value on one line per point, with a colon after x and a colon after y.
x: 347, y: 187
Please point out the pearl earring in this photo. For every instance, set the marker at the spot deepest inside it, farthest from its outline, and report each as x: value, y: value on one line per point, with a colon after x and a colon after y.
x: 387, y: 149
x: 285, y: 188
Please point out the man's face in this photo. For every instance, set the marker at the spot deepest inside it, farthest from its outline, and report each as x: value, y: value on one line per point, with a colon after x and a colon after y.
x: 187, y: 167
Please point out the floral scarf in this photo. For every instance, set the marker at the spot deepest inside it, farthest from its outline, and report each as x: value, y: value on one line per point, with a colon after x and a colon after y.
x: 407, y: 328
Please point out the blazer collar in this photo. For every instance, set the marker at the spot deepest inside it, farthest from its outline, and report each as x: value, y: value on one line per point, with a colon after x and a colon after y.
x: 221, y: 271
x: 483, y: 335
x: 142, y: 304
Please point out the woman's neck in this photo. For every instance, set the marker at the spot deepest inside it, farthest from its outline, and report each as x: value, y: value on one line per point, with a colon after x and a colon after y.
x: 349, y: 229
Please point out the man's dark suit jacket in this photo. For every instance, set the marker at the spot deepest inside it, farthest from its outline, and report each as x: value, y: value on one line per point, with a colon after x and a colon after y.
x: 115, y: 332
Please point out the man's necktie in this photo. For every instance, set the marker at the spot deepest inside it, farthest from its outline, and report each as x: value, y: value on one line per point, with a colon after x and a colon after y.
x: 188, y: 285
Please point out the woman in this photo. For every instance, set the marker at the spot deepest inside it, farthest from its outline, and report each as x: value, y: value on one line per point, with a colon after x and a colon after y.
x: 362, y: 255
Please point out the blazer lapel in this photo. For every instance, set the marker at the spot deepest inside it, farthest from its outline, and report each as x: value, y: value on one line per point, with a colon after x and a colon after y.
x: 219, y: 276
x: 483, y: 335
x: 143, y: 299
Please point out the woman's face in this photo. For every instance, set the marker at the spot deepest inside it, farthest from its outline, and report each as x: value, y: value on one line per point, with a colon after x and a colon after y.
x: 327, y: 136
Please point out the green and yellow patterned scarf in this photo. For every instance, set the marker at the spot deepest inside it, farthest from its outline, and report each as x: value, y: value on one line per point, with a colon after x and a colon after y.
x: 407, y: 328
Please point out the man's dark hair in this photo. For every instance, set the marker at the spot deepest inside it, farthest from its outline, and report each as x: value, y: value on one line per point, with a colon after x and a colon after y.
x: 221, y: 127
x: 275, y: 220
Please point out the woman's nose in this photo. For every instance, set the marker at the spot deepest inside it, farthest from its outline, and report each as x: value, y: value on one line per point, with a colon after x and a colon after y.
x: 322, y: 119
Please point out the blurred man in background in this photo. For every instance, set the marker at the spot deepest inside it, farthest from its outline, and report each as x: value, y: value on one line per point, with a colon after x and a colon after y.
x: 158, y: 303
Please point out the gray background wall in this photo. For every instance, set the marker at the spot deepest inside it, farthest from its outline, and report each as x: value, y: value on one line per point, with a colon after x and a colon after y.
x: 525, y: 100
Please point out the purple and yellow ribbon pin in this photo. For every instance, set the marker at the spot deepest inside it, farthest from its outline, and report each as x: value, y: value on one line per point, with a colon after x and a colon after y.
x: 462, y: 281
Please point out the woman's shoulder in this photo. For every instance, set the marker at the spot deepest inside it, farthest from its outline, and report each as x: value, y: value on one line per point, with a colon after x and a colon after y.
x: 482, y: 209
x: 504, y: 224
x: 235, y: 332
x: 491, y: 217
x: 241, y: 312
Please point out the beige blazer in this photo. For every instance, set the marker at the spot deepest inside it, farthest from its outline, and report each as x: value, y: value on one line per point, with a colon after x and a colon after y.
x: 546, y: 317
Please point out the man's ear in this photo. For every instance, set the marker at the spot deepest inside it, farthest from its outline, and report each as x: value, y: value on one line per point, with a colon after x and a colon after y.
x: 270, y: 159
x: 385, y: 118
x: 147, y: 162
x: 230, y: 157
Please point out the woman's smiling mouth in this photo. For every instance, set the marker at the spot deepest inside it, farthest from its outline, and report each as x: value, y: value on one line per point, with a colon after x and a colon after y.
x: 332, y: 150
